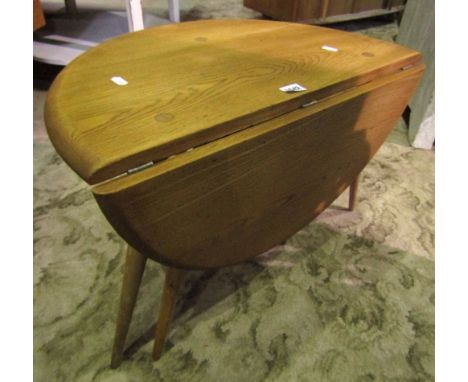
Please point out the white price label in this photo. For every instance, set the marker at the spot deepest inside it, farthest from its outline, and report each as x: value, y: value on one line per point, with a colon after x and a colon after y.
x: 330, y: 48
x: 119, y: 81
x: 292, y: 88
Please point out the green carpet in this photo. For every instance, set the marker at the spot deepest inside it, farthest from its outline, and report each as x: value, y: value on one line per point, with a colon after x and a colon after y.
x: 348, y: 298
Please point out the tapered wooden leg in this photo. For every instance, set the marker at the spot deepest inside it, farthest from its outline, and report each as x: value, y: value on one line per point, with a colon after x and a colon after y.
x: 174, y: 278
x: 133, y: 272
x: 353, y: 190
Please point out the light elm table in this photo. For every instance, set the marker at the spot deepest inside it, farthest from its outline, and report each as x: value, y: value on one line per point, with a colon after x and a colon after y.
x: 207, y: 143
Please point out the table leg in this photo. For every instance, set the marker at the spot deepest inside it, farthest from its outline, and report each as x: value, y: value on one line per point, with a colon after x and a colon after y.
x: 174, y: 11
x: 324, y: 8
x: 133, y: 272
x: 134, y: 15
x: 70, y: 7
x: 172, y: 283
x: 353, y: 190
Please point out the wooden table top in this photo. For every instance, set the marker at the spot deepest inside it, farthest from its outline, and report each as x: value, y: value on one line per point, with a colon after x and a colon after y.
x: 183, y: 85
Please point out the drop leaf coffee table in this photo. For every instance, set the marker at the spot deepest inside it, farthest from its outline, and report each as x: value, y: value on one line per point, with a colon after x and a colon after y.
x: 207, y: 143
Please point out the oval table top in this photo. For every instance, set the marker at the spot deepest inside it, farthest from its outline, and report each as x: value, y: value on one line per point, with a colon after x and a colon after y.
x: 145, y: 96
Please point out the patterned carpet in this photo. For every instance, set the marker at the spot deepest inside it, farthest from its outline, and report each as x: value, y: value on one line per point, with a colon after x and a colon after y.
x: 348, y: 298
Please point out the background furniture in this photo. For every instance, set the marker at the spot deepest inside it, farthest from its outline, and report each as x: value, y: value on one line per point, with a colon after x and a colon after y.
x: 324, y: 11
x: 417, y: 31
x: 38, y: 15
x: 134, y: 7
x: 68, y: 34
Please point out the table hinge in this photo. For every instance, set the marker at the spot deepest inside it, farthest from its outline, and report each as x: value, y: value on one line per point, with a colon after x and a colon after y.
x: 140, y: 168
x: 310, y: 103
x: 407, y: 67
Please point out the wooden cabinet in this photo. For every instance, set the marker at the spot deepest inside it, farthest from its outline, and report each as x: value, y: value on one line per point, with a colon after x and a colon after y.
x: 324, y: 11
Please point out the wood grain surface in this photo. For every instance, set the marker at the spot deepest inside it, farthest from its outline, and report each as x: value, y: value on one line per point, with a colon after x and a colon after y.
x: 366, y: 5
x: 234, y: 198
x: 323, y: 11
x: 194, y: 82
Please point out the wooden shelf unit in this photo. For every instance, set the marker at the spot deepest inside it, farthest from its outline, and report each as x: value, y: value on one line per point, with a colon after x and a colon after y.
x: 324, y: 11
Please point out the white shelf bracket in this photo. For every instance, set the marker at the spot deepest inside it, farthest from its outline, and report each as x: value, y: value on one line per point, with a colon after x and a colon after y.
x: 174, y: 11
x: 134, y: 15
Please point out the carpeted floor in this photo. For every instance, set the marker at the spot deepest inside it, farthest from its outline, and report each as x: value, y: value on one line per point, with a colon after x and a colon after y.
x: 348, y: 298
